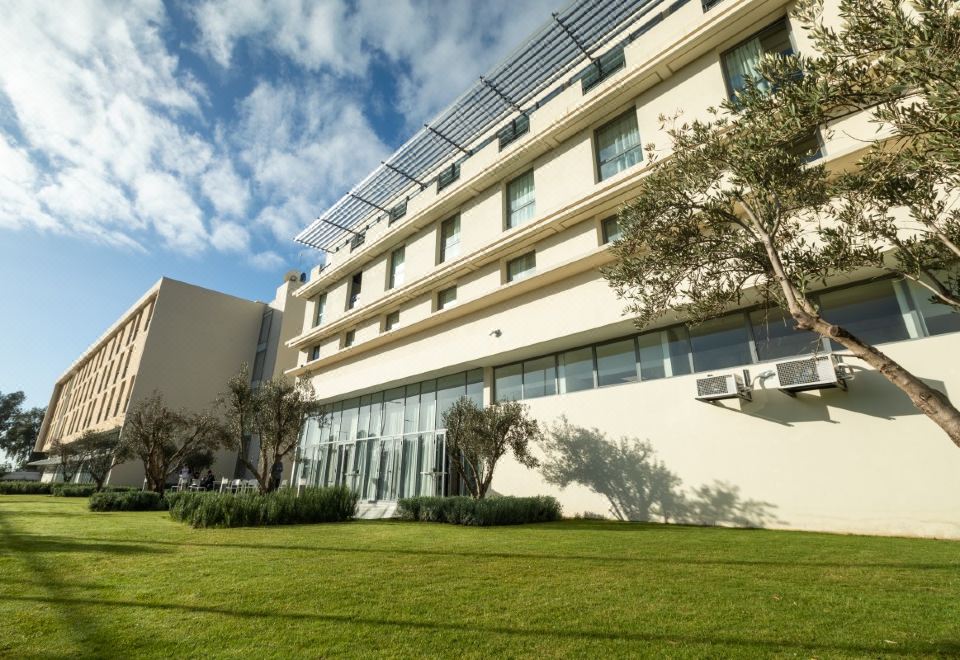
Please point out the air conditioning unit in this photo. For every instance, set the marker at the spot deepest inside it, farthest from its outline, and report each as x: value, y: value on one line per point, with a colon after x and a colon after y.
x: 811, y: 373
x: 724, y: 386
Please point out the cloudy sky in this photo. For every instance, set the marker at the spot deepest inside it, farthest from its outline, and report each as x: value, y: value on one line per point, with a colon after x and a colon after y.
x: 193, y: 140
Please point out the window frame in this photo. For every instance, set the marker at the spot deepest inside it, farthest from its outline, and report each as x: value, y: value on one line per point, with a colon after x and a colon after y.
x: 320, y: 307
x: 442, y: 256
x: 771, y: 27
x: 437, y: 305
x: 392, y: 271
x: 597, y: 163
x: 526, y: 274
x: 507, y: 212
x: 387, y: 325
x: 353, y: 299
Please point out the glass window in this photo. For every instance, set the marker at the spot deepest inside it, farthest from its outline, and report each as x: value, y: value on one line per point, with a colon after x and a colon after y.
x: 396, y: 268
x: 391, y: 321
x: 720, y: 343
x: 428, y: 405
x: 611, y: 229
x: 600, y: 69
x: 654, y: 356
x: 577, y: 370
x: 356, y: 285
x: 446, y: 298
x: 616, y: 363
x: 743, y: 62
x: 776, y: 336
x: 363, y: 421
x: 449, y: 239
x: 522, y: 267
x: 938, y: 317
x: 618, y: 145
x: 393, y: 411
x: 449, y: 389
x: 321, y: 308
x: 447, y: 176
x: 870, y: 311
x: 349, y: 419
x: 376, y: 414
x: 398, y: 212
x: 349, y: 338
x: 411, y: 410
x: 521, y: 202
x: 508, y: 382
x: 475, y: 386
x: 314, y: 353
x: 513, y: 130
x: 540, y: 377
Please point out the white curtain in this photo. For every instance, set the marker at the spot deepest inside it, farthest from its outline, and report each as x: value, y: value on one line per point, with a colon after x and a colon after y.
x: 521, y: 199
x: 743, y: 63
x: 619, y: 146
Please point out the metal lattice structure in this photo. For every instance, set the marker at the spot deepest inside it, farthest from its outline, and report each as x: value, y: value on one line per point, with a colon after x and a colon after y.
x: 570, y: 38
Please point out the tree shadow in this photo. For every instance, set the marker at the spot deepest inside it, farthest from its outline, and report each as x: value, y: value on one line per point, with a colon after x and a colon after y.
x: 637, y: 486
x: 16, y: 543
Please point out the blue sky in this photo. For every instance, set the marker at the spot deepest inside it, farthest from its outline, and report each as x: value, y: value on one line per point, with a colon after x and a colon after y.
x: 194, y: 140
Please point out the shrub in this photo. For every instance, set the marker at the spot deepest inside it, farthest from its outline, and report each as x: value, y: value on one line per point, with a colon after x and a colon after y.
x: 282, y: 507
x: 490, y: 511
x: 131, y: 500
x: 83, y: 490
x: 24, y: 488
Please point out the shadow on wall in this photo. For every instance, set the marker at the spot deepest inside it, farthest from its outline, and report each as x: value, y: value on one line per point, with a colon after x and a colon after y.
x: 639, y: 487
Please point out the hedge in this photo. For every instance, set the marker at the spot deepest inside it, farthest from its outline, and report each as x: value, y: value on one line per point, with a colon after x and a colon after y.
x: 131, y: 500
x: 492, y: 511
x: 282, y: 507
x: 24, y: 488
x: 83, y: 490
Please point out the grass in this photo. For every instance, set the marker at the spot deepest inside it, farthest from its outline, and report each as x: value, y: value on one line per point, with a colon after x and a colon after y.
x: 76, y: 583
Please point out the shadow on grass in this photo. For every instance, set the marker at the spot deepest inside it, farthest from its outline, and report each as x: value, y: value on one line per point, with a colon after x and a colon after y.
x: 643, y: 559
x: 17, y: 543
x: 949, y: 646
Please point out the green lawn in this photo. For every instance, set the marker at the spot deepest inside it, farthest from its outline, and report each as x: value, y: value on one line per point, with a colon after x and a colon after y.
x: 118, y: 584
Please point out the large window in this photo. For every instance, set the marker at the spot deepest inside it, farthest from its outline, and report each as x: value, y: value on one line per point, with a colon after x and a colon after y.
x: 743, y: 62
x: 939, y: 318
x: 576, y: 369
x: 522, y: 267
x: 395, y: 278
x: 321, y: 309
x: 720, y: 343
x: 610, y: 228
x: 618, y: 145
x: 449, y: 239
x: 508, y: 382
x: 526, y: 380
x: 775, y: 335
x: 616, y: 363
x: 521, y: 203
x: 871, y: 312
x: 356, y: 285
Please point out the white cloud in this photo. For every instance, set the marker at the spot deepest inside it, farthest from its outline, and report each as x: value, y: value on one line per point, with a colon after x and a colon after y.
x: 268, y: 260
x: 163, y: 201
x: 230, y: 237
x: 228, y: 193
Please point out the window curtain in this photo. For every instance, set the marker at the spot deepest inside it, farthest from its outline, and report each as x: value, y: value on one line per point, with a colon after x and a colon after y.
x: 451, y: 240
x: 619, y: 146
x: 521, y: 196
x: 743, y: 63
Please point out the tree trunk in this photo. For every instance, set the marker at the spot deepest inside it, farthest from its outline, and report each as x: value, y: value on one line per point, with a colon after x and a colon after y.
x: 931, y: 402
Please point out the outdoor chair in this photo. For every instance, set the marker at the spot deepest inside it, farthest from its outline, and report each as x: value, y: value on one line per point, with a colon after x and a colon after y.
x: 235, y: 486
x: 195, y: 485
x: 224, y: 484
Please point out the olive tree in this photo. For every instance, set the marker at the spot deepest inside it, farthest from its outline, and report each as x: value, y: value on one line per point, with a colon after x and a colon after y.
x: 736, y: 209
x: 274, y: 412
x: 477, y: 438
x: 162, y: 438
x: 69, y: 456
x: 97, y: 452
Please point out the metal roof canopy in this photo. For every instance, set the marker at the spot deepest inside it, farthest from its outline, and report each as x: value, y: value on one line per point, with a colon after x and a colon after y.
x: 569, y: 37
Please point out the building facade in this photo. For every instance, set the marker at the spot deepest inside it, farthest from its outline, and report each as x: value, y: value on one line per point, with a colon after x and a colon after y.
x: 178, y: 339
x: 474, y: 270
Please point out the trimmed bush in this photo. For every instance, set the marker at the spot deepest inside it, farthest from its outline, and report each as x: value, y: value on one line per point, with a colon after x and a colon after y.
x: 131, y: 500
x: 490, y: 511
x: 24, y: 488
x: 83, y: 490
x: 282, y: 507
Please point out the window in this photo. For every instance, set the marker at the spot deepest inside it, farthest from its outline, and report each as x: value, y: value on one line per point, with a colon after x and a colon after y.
x: 349, y: 338
x: 446, y: 298
x: 522, y: 267
x: 449, y: 239
x: 521, y: 204
x: 871, y: 312
x: 398, y: 212
x: 610, y: 229
x: 742, y: 62
x: 720, y: 343
x: 618, y: 145
x: 448, y: 176
x: 938, y: 317
x: 391, y: 321
x: 396, y: 268
x: 513, y: 130
x: 616, y: 363
x: 508, y: 382
x: 357, y: 241
x: 576, y: 370
x: 776, y: 336
x: 315, y: 353
x: 602, y: 68
x: 356, y: 285
x: 321, y: 308
x: 540, y: 377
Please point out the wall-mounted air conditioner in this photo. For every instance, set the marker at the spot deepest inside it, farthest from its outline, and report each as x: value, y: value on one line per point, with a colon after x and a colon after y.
x: 811, y: 373
x: 723, y: 386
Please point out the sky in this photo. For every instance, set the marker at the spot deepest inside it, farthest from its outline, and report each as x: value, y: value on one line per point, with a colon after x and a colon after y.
x: 143, y: 138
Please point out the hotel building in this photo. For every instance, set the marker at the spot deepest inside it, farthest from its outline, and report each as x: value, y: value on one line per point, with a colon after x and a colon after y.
x: 468, y: 265
x: 178, y: 339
